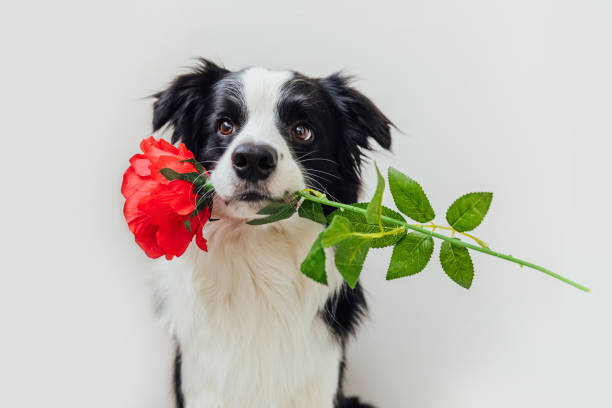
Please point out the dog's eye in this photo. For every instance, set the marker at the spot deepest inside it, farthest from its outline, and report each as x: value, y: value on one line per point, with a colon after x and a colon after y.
x: 302, y: 133
x: 226, y: 127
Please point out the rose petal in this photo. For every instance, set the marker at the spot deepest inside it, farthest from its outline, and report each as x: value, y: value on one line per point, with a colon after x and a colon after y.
x: 197, y: 224
x: 141, y: 164
x: 184, y: 201
x: 166, y: 201
x: 173, y: 237
x: 169, y: 162
x: 132, y: 183
x: 145, y: 235
x: 138, y: 194
x: 185, y: 152
x: 153, y: 148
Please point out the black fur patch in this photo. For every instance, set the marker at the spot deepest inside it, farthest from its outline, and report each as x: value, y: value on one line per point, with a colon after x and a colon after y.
x: 342, y: 313
x: 176, y: 379
x: 344, y: 310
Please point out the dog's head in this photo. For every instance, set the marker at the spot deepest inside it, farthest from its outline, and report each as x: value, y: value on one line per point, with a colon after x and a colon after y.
x: 264, y: 134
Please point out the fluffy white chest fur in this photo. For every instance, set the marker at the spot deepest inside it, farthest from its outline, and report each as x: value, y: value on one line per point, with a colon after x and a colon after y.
x: 247, y: 321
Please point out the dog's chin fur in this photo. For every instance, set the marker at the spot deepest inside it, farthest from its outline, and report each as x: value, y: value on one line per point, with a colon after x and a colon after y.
x: 233, y: 208
x: 251, y: 329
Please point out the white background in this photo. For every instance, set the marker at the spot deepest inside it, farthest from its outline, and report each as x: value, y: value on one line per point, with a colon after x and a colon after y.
x: 493, y: 95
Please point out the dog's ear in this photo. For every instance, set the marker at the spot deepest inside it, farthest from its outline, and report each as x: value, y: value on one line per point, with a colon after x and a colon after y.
x: 182, y: 104
x: 362, y: 119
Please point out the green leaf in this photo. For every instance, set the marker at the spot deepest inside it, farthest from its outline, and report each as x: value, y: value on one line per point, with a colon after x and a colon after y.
x: 385, y: 241
x: 409, y: 197
x: 204, y: 201
x: 350, y: 255
x: 275, y: 208
x: 281, y: 214
x: 313, y: 211
x: 457, y: 263
x: 360, y: 224
x: 374, y: 209
x: 201, y: 203
x: 187, y: 224
x: 410, y: 255
x: 197, y: 165
x: 356, y: 217
x: 339, y: 230
x: 314, y: 264
x: 201, y: 185
x: 172, y: 175
x: 468, y: 211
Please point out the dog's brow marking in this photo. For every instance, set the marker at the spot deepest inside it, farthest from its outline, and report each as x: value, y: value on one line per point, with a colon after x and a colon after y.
x: 261, y: 90
x: 231, y: 88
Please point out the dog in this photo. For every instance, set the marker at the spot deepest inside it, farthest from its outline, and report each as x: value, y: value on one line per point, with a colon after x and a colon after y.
x: 251, y: 330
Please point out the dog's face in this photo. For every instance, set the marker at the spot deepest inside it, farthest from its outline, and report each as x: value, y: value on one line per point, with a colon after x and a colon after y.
x: 265, y: 134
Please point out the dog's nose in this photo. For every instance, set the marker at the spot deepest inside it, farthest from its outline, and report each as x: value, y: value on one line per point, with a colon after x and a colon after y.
x: 254, y: 162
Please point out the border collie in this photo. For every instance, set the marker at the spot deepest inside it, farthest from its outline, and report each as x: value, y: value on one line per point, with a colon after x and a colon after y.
x: 251, y: 330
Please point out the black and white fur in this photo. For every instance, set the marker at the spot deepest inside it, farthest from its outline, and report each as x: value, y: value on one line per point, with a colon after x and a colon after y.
x: 251, y: 330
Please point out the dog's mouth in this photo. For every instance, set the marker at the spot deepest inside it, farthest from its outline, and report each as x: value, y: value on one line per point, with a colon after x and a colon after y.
x: 256, y: 197
x: 251, y: 196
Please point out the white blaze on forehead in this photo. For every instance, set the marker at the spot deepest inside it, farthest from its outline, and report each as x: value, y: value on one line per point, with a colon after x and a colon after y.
x: 261, y: 91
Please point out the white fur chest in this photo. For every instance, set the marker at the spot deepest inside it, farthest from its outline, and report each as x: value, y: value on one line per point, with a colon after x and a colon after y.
x: 246, y: 319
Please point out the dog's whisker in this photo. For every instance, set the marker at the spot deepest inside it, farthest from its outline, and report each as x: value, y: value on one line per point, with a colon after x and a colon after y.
x: 317, y: 159
x: 319, y: 177
x: 305, y: 155
x: 325, y: 172
x: 319, y: 186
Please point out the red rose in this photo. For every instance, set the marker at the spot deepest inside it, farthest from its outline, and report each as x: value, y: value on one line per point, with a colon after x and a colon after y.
x: 161, y: 208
